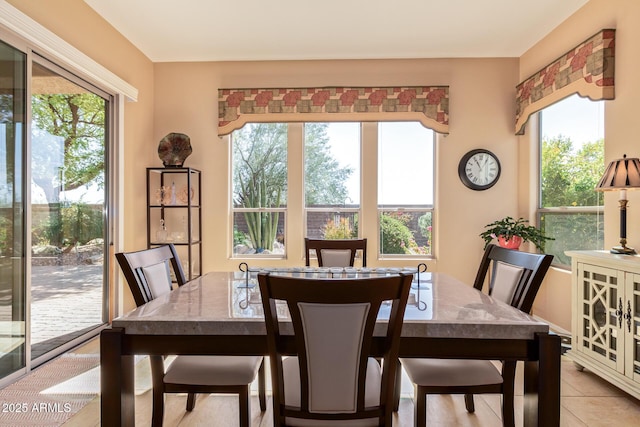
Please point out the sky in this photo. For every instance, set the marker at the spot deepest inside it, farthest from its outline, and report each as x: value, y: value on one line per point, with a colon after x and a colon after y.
x: 580, y: 119
x: 397, y: 168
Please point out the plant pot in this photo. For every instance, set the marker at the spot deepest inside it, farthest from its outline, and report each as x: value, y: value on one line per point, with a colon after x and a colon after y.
x: 513, y: 243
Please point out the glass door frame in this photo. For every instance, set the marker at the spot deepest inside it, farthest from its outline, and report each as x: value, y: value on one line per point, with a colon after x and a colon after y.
x: 113, y: 226
x: 20, y: 47
x: 41, y: 60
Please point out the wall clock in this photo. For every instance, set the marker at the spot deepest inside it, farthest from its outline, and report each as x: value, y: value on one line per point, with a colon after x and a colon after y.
x: 479, y: 169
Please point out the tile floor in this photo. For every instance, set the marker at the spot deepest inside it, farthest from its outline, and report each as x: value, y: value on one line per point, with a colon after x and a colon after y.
x: 587, y: 401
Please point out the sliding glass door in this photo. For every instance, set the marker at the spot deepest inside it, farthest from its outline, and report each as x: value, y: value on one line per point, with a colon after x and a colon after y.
x: 68, y: 233
x: 55, y: 129
x: 12, y: 264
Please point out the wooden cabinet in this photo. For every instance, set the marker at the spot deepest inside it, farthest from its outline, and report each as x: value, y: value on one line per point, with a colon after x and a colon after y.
x: 174, y: 214
x: 606, y: 316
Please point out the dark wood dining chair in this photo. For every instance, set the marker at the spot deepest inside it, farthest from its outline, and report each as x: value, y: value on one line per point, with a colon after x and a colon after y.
x: 148, y: 273
x: 335, y: 253
x: 513, y: 277
x: 322, y: 371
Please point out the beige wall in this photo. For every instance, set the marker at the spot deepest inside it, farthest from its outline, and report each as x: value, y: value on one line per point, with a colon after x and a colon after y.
x: 181, y: 97
x: 481, y: 115
x: 621, y: 124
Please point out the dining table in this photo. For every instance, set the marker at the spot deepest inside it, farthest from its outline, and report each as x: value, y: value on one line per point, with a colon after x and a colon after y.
x: 220, y: 313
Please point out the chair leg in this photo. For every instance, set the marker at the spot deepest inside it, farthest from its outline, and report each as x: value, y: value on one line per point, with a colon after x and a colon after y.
x: 245, y: 407
x: 508, y: 380
x: 397, y: 387
x: 262, y: 379
x: 420, y: 407
x: 508, y: 418
x: 468, y: 403
x: 157, y: 414
x: 191, y: 401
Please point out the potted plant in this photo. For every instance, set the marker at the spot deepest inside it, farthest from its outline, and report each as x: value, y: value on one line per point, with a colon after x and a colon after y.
x: 511, y: 233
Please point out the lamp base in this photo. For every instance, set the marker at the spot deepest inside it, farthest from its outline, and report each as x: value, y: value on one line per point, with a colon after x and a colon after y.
x: 622, y: 250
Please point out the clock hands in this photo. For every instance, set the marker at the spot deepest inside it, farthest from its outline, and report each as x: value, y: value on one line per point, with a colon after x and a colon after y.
x: 479, y: 169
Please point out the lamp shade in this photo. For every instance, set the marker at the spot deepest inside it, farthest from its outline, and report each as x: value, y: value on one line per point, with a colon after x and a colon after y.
x: 621, y: 174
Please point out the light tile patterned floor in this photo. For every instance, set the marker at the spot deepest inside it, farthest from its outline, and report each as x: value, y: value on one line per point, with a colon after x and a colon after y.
x: 587, y: 401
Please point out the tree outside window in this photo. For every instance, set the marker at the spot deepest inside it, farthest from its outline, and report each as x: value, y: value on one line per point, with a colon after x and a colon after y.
x: 332, y: 180
x: 259, y: 188
x: 571, y: 164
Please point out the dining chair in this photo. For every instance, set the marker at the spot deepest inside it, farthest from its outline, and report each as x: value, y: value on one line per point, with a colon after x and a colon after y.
x: 513, y: 277
x: 335, y: 253
x: 148, y: 273
x: 322, y: 371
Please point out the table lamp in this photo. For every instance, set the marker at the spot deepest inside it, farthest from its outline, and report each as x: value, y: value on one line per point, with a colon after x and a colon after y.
x: 621, y: 174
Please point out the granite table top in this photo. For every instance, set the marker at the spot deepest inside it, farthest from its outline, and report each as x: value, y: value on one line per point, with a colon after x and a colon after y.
x: 228, y: 303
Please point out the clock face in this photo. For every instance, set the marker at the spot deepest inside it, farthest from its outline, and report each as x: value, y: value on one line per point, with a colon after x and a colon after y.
x: 479, y: 169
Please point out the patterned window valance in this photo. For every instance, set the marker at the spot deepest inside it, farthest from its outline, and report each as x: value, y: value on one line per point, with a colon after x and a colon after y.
x: 426, y: 104
x: 587, y: 70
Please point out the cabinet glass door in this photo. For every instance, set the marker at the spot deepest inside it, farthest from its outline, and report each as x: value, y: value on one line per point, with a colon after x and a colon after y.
x: 600, y: 333
x: 632, y: 326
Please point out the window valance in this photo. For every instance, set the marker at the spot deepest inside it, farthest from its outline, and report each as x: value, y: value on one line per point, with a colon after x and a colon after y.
x: 427, y: 104
x: 587, y: 69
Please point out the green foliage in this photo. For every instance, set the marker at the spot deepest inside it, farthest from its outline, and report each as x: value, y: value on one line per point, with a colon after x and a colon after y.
x: 260, y: 175
x: 570, y: 176
x: 509, y: 227
x: 239, y: 238
x: 6, y: 236
x: 573, y: 231
x: 77, y: 223
x: 324, y: 178
x: 395, y: 236
x: 78, y: 120
x: 48, y: 231
x: 82, y: 223
x: 260, y: 178
x: 342, y: 230
x: 424, y: 223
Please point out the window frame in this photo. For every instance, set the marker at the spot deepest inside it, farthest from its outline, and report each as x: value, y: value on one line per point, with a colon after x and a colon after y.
x: 332, y: 209
x: 368, y: 211
x: 541, y: 211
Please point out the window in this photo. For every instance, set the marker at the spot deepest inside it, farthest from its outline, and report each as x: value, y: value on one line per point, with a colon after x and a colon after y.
x: 334, y: 178
x: 405, y: 188
x: 571, y: 164
x: 259, y: 189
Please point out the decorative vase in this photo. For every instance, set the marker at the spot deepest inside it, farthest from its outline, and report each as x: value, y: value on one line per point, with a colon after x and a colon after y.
x: 173, y: 149
x: 513, y: 243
